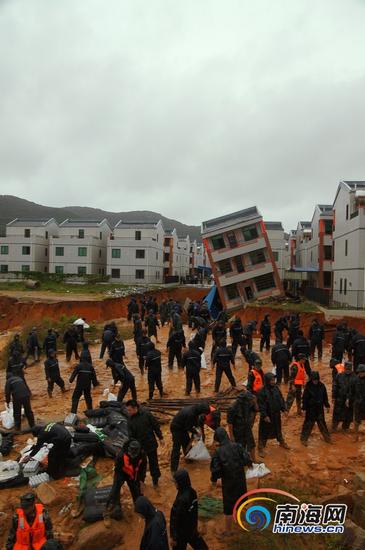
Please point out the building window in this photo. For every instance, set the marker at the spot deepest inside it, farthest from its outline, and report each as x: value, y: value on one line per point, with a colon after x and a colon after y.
x: 46, y: 234
x: 81, y: 233
x: 232, y: 241
x: 257, y: 257
x: 82, y: 251
x: 59, y: 269
x: 328, y: 252
x: 140, y: 254
x: 327, y: 279
x: 115, y: 252
x: 346, y: 247
x: 166, y: 257
x: 99, y: 253
x: 59, y: 251
x: 166, y: 241
x: 101, y: 235
x: 225, y: 266
x: 139, y: 273
x: 46, y: 251
x: 347, y: 211
x: 27, y: 233
x: 328, y: 227
x: 25, y: 268
x: 138, y: 235
x: 340, y: 286
x: 3, y: 268
x: 276, y: 255
x: 157, y: 274
x: 81, y: 270
x: 345, y: 286
x: 232, y: 292
x: 156, y: 255
x: 239, y: 264
x: 115, y: 273
x: 265, y: 282
x: 250, y: 233
x: 26, y: 250
x: 4, y: 249
x: 218, y: 242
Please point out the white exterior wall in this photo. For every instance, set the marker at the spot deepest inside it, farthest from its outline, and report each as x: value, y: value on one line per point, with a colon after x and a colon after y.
x: 183, y: 257
x: 152, y: 242
x: 68, y: 239
x: 38, y: 242
x: 278, y: 246
x: 350, y: 268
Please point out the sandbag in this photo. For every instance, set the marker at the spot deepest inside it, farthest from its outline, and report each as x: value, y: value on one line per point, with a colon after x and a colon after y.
x: 112, y: 404
x: 98, y: 422
x: 95, y: 413
x: 7, y: 418
x: 257, y: 470
x: 198, y: 452
x: 95, y: 501
x: 16, y: 481
x: 85, y: 438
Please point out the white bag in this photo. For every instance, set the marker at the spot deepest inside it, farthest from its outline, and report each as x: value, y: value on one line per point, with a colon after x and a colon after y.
x: 43, y: 452
x: 257, y: 470
x: 7, y: 418
x: 203, y: 361
x: 198, y: 452
x: 110, y: 396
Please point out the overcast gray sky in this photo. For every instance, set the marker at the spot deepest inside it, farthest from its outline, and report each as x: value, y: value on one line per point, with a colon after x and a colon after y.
x: 192, y: 108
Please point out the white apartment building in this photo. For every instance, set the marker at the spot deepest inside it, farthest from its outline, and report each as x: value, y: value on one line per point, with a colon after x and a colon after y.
x: 170, y: 255
x: 25, y: 247
x: 183, y: 257
x: 349, y: 244
x: 135, y: 253
x: 79, y: 248
x: 241, y: 258
x: 275, y: 232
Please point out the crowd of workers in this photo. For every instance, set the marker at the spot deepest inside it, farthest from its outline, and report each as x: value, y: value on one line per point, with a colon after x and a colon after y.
x: 261, y: 395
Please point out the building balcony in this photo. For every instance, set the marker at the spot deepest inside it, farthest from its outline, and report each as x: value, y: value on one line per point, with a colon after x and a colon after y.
x: 243, y: 247
x: 250, y: 272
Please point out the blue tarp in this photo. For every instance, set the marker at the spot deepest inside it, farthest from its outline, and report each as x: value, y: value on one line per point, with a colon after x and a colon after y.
x: 213, y: 301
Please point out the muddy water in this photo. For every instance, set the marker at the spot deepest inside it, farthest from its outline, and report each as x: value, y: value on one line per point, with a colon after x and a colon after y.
x: 318, y: 469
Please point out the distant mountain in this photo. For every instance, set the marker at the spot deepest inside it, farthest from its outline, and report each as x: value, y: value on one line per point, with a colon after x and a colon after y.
x: 14, y: 207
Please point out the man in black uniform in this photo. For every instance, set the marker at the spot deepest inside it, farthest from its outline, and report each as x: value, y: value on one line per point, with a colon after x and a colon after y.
x: 183, y: 425
x: 16, y: 365
x: 86, y: 375
x: 17, y: 389
x: 314, y: 399
x: 144, y: 427
x: 219, y: 333
x: 358, y: 398
x: 223, y: 359
x: 154, y: 370
x: 143, y: 345
x: 191, y: 361
x: 50, y: 341
x: 175, y: 343
x: 137, y: 329
x: 155, y: 532
x: 293, y: 330
x: 52, y: 372
x: 228, y: 463
x: 107, y: 340
x: 280, y: 325
x: 341, y: 395
x: 265, y: 331
x: 300, y: 346
x: 280, y: 358
x: 184, y: 515
x: 236, y: 334
x: 117, y: 350
x: 316, y: 336
x: 60, y: 437
x: 338, y: 343
x: 16, y: 346
x: 132, y: 308
x: 122, y: 374
x: 85, y: 355
x: 70, y: 339
x: 248, y: 331
x: 152, y: 324
x: 239, y: 422
x: 33, y: 347
x: 164, y: 314
x: 271, y: 404
x: 358, y: 350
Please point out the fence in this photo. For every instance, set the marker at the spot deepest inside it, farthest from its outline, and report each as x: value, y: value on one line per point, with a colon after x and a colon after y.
x: 349, y: 299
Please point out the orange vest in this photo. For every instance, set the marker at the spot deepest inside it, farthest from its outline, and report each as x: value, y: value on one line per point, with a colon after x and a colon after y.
x: 339, y: 367
x: 129, y: 469
x: 30, y: 536
x: 300, y: 376
x: 257, y: 383
x: 209, y: 420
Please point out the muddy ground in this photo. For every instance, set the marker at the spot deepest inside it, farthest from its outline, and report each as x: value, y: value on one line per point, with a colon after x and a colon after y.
x: 314, y: 472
